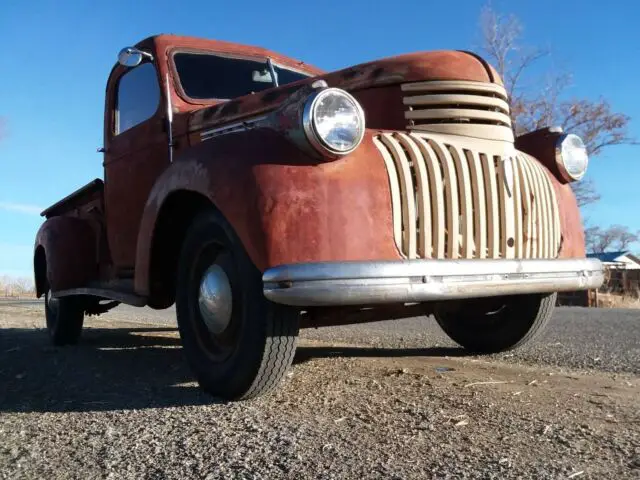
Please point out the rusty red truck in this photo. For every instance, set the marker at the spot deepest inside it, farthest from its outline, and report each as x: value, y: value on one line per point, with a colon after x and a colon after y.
x: 261, y: 194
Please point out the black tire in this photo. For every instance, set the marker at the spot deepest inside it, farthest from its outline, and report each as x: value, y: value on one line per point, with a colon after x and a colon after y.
x: 494, y: 325
x: 253, y: 353
x: 64, y: 316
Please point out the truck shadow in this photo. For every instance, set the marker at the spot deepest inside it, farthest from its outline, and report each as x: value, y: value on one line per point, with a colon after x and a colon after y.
x: 121, y: 369
x: 111, y: 369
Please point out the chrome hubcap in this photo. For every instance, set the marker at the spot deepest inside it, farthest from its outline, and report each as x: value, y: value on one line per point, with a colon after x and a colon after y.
x: 215, y: 299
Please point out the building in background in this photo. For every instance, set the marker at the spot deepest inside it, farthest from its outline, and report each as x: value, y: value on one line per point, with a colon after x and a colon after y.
x: 622, y: 260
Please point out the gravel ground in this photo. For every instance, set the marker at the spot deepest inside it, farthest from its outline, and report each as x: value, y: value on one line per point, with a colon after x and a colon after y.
x: 383, y: 400
x: 611, y: 337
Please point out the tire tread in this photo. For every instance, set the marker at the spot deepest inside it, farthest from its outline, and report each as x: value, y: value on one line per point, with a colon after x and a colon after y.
x: 544, y: 314
x: 524, y: 321
x: 280, y: 347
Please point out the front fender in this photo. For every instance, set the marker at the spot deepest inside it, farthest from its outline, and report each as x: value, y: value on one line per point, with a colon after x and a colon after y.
x: 573, y: 243
x: 285, y: 206
x: 69, y: 246
x: 541, y: 144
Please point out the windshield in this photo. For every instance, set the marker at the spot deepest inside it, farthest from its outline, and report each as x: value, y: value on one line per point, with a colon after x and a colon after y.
x: 206, y: 76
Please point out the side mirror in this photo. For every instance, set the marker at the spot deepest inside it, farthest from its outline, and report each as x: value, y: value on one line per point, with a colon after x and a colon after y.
x: 131, y: 57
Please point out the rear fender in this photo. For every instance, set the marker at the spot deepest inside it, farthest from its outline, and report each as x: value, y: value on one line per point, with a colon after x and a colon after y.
x: 69, y: 248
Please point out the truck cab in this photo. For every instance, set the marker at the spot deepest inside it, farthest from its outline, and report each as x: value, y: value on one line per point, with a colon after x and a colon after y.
x: 261, y: 194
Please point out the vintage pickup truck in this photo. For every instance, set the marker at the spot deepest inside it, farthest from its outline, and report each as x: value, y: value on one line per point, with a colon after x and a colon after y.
x: 261, y: 194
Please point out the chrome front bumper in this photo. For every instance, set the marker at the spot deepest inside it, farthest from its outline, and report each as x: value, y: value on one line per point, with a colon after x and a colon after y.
x: 405, y: 281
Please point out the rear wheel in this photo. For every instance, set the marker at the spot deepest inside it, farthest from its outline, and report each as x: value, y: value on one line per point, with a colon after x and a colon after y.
x: 491, y: 325
x: 65, y: 316
x: 238, y: 344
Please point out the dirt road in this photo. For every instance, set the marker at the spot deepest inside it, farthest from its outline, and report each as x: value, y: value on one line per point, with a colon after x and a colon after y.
x: 385, y: 400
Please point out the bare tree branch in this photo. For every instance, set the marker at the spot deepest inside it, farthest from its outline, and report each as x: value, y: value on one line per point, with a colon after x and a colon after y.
x: 616, y: 237
x: 585, y: 192
x: 593, y: 120
x: 591, y: 238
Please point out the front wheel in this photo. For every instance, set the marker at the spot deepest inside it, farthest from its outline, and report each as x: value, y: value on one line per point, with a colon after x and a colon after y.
x: 490, y: 325
x: 238, y: 344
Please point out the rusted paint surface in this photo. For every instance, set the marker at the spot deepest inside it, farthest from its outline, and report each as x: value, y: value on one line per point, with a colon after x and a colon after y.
x: 70, y: 247
x: 541, y: 144
x: 133, y: 160
x: 90, y: 192
x: 572, y: 245
x: 129, y: 178
x: 419, y: 66
x: 190, y: 116
x: 438, y: 65
x: 285, y: 206
x: 383, y: 106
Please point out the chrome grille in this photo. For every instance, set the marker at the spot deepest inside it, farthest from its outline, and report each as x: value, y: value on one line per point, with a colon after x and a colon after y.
x: 474, y: 109
x: 456, y: 197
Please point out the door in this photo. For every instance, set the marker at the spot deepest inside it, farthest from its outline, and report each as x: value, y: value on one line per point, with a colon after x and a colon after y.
x: 136, y: 153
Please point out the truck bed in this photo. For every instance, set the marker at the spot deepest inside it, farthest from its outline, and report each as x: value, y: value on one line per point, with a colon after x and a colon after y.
x: 91, y: 193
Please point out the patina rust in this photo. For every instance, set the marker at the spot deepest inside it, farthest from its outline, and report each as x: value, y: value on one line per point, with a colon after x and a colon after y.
x: 285, y: 203
x: 542, y: 145
x: 69, y: 245
x: 572, y: 244
x: 285, y: 206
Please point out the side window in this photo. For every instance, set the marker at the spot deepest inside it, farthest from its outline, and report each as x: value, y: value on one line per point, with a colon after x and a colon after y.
x: 138, y: 97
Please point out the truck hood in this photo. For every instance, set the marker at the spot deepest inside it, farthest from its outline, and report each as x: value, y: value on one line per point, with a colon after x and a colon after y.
x: 413, y: 67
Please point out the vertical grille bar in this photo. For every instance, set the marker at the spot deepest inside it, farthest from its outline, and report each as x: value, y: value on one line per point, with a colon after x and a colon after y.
x: 437, y: 196
x: 493, y: 223
x: 542, y: 232
x: 408, y: 195
x: 451, y: 199
x: 554, y: 220
x: 548, y: 231
x: 466, y: 201
x: 394, y: 187
x: 507, y: 227
x: 534, y: 212
x: 422, y: 195
x: 479, y: 204
x: 518, y: 209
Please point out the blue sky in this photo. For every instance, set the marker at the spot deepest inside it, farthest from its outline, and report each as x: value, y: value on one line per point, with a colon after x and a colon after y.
x: 56, y: 59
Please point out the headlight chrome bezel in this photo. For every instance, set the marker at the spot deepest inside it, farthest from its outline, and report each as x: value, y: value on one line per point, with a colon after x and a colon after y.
x: 560, y: 160
x: 309, y: 125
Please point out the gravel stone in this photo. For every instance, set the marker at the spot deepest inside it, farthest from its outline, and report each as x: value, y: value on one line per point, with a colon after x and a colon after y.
x: 383, y: 400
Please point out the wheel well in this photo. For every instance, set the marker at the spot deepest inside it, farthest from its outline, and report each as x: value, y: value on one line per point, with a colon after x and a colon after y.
x: 174, y: 218
x: 40, y: 270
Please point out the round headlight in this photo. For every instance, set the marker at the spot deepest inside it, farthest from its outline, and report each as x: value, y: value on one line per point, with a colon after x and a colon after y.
x: 571, y: 157
x: 333, y: 122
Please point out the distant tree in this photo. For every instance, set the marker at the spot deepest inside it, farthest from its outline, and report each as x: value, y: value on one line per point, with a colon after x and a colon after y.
x: 592, y: 239
x: 616, y: 237
x: 593, y: 120
x: 16, y: 286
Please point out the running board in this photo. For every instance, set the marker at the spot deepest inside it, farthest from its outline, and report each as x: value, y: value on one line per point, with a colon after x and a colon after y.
x: 123, y: 297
